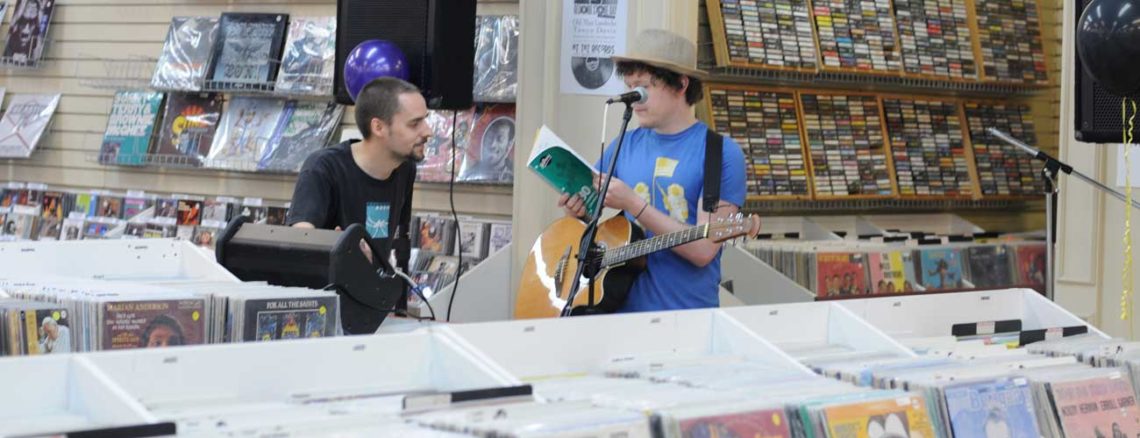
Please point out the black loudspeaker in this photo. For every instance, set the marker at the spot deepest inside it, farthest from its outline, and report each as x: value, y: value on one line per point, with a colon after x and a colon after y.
x: 437, y: 37
x: 1096, y: 111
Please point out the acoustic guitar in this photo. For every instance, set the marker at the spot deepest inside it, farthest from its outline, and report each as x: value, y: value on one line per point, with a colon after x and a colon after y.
x: 546, y: 279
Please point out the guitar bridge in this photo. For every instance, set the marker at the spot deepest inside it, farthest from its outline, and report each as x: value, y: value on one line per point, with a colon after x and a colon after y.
x: 560, y: 269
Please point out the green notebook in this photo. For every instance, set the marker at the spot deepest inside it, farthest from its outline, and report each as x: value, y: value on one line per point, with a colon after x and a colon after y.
x: 562, y: 168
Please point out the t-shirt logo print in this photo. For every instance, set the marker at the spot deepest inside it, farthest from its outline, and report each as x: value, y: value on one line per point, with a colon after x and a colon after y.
x: 377, y: 222
x: 673, y: 198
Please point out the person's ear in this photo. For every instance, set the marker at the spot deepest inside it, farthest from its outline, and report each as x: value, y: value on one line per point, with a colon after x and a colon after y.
x: 684, y: 85
x: 378, y: 126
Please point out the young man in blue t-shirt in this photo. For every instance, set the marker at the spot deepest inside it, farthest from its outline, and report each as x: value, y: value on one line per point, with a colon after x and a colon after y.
x: 658, y: 182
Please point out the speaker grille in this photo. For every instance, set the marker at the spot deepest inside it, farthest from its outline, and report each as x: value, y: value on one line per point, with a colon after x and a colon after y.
x: 1097, y: 113
x: 401, y: 22
x: 437, y: 36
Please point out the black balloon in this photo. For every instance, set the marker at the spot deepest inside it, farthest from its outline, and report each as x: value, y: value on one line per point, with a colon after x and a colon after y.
x: 1108, y: 44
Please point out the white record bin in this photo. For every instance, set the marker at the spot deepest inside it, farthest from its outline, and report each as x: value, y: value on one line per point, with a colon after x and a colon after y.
x: 931, y: 315
x: 533, y: 349
x: 283, y: 371
x: 64, y: 392
x: 805, y: 325
x: 142, y: 259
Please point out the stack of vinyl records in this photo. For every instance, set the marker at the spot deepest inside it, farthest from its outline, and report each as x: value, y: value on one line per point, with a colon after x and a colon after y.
x: 255, y: 313
x: 31, y: 328
x: 112, y: 316
x: 59, y: 315
x: 437, y: 256
x: 850, y: 268
x: 976, y: 382
x: 719, y: 395
x: 36, y: 212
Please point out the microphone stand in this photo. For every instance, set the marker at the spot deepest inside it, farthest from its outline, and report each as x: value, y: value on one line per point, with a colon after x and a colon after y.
x: 1052, y: 168
x: 589, y: 253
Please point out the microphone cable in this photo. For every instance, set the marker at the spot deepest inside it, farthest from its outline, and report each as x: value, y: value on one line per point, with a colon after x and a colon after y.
x: 455, y: 217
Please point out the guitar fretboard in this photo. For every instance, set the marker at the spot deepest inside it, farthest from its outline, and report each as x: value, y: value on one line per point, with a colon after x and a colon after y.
x: 653, y: 244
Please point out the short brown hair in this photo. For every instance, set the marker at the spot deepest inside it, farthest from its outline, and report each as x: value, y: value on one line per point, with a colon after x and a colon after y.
x: 380, y: 99
x: 671, y: 79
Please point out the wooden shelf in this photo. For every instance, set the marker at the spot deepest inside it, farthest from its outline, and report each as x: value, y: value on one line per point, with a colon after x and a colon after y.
x: 872, y: 83
x: 886, y: 205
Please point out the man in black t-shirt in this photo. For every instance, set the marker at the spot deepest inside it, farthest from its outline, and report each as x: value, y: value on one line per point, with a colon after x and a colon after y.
x: 368, y: 181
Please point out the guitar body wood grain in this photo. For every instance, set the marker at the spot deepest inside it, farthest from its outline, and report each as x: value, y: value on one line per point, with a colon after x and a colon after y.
x: 538, y: 294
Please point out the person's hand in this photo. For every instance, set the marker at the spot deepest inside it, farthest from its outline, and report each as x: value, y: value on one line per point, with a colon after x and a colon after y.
x: 572, y: 205
x: 619, y: 196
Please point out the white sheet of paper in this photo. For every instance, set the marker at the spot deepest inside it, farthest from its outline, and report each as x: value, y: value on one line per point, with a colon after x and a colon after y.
x: 592, y: 32
x: 1134, y: 164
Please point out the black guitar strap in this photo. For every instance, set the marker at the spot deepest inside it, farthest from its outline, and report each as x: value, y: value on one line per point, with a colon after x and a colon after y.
x: 714, y: 143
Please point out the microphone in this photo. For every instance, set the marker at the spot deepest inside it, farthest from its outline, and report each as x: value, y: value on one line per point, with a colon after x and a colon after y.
x: 1050, y: 162
x: 637, y: 95
x: 1036, y: 153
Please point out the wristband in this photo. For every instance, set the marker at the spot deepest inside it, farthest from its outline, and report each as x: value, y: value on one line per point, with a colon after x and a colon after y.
x: 638, y: 215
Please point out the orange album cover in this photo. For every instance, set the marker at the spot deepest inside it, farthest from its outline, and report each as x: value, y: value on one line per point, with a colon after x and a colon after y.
x: 902, y: 416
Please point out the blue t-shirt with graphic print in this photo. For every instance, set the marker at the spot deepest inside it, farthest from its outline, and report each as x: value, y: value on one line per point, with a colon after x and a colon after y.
x: 668, y: 171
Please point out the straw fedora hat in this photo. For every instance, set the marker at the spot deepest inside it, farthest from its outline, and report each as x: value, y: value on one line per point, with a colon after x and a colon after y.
x: 664, y: 49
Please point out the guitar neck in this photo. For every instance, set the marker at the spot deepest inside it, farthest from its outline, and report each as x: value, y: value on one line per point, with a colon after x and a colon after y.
x: 656, y: 243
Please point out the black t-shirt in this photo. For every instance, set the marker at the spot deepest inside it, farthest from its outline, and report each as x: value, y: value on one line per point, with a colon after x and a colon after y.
x: 332, y: 191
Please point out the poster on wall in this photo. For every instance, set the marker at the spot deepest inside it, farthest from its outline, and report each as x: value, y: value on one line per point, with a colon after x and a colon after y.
x: 592, y: 32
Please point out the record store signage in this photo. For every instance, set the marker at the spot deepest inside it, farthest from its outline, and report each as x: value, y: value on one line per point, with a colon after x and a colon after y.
x: 592, y: 32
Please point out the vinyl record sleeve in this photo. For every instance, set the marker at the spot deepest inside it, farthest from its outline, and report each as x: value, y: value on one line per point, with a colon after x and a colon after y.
x: 25, y: 122
x: 185, y: 54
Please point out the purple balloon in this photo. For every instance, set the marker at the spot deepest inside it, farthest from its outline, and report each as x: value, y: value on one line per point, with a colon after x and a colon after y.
x: 372, y: 59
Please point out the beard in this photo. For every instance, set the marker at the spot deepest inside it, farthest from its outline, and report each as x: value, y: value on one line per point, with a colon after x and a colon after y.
x: 413, y: 155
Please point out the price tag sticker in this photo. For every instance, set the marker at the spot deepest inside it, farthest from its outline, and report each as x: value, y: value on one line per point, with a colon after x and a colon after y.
x: 986, y: 328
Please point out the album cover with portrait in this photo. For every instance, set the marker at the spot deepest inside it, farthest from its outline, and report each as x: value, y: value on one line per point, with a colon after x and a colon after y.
x: 27, y: 31
x: 490, y: 153
x: 841, y: 274
x: 152, y: 323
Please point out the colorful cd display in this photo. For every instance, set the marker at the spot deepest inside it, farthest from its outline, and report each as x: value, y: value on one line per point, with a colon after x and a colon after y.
x: 857, y: 34
x: 845, y: 139
x: 926, y: 143
x: 935, y: 38
x: 1010, y: 37
x: 1003, y: 170
x: 765, y: 125
x: 769, y: 32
